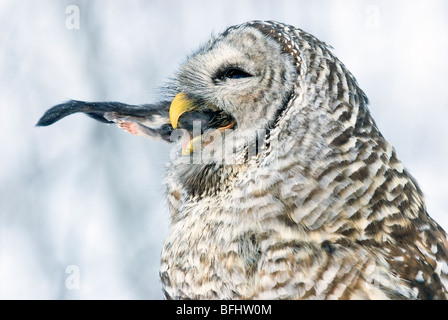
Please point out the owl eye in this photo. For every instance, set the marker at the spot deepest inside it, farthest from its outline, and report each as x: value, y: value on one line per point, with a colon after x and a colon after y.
x: 232, y: 73
x: 236, y: 74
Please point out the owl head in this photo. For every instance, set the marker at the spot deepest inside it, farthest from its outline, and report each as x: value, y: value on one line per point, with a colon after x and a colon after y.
x: 243, y: 73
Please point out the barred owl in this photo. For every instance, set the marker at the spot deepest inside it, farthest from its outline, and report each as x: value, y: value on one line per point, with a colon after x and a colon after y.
x: 280, y: 185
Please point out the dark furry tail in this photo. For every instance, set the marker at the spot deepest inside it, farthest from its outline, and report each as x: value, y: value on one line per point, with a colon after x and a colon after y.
x: 148, y: 120
x: 96, y: 110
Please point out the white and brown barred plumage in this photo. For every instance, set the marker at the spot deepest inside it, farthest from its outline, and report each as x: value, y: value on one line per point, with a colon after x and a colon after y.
x: 323, y: 209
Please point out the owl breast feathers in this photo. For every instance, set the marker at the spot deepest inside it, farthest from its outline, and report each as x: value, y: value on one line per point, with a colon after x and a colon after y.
x: 280, y: 185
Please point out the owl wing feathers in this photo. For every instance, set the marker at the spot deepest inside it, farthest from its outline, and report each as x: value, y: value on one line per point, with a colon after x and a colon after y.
x: 419, y: 257
x: 416, y: 246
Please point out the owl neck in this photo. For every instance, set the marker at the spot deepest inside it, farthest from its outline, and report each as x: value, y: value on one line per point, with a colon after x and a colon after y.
x: 342, y: 169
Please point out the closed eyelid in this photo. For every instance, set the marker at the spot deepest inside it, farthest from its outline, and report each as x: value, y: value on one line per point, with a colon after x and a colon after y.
x: 231, y: 72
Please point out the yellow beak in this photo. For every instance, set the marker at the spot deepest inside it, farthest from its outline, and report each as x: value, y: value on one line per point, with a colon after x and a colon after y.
x: 179, y: 106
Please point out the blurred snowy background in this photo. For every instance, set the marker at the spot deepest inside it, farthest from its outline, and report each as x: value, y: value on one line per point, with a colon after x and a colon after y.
x: 82, y: 209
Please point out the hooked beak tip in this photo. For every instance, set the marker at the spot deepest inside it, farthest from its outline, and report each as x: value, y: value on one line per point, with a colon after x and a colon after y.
x: 180, y: 105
